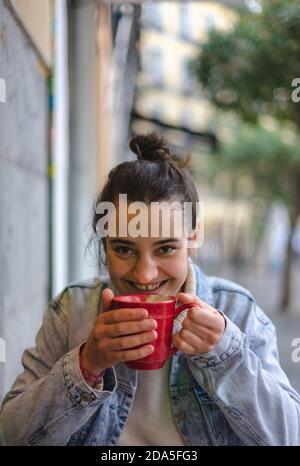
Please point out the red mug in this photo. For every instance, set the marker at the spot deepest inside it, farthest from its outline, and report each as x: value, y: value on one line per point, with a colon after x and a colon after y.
x: 163, y: 309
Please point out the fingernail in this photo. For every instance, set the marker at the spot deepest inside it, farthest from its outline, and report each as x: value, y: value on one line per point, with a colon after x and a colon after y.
x: 150, y: 349
x: 155, y: 323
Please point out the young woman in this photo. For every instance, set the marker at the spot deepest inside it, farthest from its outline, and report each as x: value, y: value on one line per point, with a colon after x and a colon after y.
x: 224, y: 386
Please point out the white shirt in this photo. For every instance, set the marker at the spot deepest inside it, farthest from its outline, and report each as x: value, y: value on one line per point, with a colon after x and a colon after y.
x: 151, y: 420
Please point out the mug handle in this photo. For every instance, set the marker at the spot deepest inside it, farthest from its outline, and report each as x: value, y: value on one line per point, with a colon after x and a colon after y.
x: 178, y: 310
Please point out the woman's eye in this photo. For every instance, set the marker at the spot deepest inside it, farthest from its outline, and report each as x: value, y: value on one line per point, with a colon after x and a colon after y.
x: 124, y: 250
x: 166, y: 249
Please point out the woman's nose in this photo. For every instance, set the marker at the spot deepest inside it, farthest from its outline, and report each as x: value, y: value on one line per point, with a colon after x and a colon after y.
x: 145, y: 271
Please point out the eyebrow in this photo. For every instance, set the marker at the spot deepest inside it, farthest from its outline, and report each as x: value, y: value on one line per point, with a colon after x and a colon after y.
x: 131, y: 243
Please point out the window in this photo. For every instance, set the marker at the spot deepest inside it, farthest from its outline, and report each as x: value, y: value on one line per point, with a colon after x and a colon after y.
x: 185, y: 22
x: 151, y: 15
x: 153, y: 65
x: 188, y: 85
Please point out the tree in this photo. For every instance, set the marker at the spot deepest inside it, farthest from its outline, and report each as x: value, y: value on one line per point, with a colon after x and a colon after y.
x: 250, y: 70
x: 254, y: 162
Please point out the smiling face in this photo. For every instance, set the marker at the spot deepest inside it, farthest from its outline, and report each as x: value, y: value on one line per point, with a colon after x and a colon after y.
x: 148, y: 265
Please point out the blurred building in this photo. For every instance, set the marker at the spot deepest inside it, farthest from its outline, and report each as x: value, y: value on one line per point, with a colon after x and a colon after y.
x: 167, y: 92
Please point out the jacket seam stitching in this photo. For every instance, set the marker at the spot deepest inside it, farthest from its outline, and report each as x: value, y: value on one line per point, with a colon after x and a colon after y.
x: 241, y: 420
x: 234, y: 291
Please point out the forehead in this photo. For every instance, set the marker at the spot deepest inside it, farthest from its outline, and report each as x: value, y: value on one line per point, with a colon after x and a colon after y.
x: 154, y: 221
x: 162, y: 219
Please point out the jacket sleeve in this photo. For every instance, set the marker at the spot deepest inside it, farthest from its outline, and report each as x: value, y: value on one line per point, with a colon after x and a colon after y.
x: 50, y: 400
x: 243, y: 376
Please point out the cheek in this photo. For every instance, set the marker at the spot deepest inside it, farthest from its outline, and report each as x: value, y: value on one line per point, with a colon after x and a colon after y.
x: 116, y: 267
x: 178, y: 267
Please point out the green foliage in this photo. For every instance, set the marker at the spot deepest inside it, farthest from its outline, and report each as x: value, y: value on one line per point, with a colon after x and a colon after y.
x: 250, y: 69
x: 260, y: 164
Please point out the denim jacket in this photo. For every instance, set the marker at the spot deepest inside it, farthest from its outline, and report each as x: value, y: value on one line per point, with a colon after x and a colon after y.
x: 237, y: 394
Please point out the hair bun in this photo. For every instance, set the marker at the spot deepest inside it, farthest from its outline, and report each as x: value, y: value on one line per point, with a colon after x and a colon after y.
x: 150, y: 147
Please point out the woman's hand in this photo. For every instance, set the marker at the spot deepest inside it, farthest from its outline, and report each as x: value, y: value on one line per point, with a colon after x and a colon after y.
x: 201, y: 330
x: 115, y: 335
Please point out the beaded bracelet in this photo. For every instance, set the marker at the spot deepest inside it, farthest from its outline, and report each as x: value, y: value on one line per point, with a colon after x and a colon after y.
x: 88, y: 377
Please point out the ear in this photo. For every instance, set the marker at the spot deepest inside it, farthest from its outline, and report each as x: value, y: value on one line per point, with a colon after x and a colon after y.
x: 195, y: 239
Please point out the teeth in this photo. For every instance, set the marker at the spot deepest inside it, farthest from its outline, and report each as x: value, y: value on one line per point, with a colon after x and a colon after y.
x: 147, y: 288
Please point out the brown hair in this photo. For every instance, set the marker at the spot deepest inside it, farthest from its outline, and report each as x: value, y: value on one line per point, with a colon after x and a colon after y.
x: 156, y: 175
